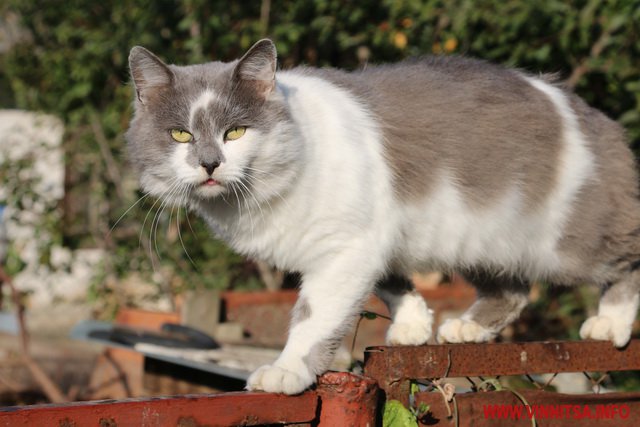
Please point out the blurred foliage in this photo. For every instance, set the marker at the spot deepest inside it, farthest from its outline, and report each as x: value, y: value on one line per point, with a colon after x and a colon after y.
x: 555, y: 312
x: 74, y: 65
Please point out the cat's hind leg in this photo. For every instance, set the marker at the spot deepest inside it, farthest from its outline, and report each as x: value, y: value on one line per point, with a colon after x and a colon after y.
x: 616, y: 312
x: 500, y: 301
x: 411, y: 320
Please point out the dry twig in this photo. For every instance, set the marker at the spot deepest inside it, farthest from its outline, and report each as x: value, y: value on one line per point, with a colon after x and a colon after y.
x: 50, y: 389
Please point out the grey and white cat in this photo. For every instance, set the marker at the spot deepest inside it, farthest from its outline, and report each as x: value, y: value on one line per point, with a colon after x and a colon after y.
x: 358, y: 179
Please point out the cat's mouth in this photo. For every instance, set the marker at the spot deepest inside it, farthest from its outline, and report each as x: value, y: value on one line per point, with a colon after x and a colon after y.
x: 210, y: 187
x: 210, y: 183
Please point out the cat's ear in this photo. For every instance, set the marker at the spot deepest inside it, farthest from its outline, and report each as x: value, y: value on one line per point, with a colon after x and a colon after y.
x: 149, y: 73
x: 257, y: 67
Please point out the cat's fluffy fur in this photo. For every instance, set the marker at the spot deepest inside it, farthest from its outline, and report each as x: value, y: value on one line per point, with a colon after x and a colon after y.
x: 356, y: 180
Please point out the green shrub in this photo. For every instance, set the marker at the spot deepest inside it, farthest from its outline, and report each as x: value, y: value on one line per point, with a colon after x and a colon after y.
x: 75, y: 65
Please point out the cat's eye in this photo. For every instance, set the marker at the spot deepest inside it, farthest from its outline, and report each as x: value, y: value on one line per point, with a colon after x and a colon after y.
x: 235, y: 133
x: 180, y: 135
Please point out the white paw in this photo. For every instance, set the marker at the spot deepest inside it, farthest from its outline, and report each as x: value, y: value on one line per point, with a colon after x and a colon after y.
x: 408, y: 333
x: 461, y: 330
x: 605, y: 328
x: 274, y: 379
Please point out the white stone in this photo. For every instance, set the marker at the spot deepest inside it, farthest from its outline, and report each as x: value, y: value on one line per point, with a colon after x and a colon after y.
x: 32, y: 201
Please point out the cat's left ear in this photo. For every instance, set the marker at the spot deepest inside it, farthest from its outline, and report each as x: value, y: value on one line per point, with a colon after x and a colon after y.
x: 257, y: 67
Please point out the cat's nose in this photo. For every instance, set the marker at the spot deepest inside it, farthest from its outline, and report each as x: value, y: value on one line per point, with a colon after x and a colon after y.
x: 210, y: 166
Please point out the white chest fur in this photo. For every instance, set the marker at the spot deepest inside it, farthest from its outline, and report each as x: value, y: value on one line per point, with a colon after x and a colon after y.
x: 341, y: 193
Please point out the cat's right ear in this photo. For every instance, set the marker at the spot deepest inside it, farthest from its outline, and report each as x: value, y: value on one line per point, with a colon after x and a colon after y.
x: 149, y: 73
x: 257, y: 68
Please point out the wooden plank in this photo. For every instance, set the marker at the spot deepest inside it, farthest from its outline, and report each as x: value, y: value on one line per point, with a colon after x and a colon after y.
x: 459, y: 360
x: 189, y: 410
x: 392, y: 367
x: 339, y: 399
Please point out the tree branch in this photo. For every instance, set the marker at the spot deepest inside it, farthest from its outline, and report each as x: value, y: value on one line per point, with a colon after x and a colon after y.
x: 50, y: 389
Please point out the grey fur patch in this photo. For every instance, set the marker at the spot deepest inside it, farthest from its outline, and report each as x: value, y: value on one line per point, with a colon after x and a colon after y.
x: 600, y: 242
x: 482, y: 123
x: 500, y: 299
x: 321, y: 355
x: 394, y: 284
x: 391, y: 290
x: 499, y: 310
x: 301, y: 311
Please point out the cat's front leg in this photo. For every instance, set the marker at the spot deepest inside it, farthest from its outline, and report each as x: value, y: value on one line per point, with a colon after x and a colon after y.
x: 329, y: 300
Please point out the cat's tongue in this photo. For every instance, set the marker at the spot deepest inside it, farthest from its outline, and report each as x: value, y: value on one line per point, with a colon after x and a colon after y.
x: 210, y: 181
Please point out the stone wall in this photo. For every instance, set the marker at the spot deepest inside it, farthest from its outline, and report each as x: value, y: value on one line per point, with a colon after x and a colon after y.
x: 31, y: 189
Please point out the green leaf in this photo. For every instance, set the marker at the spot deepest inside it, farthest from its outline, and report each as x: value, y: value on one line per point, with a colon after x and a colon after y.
x: 396, y: 415
x: 491, y: 383
x: 423, y: 408
x: 414, y: 388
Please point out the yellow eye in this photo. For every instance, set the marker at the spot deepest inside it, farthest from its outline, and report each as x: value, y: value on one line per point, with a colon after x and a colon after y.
x: 181, y: 135
x: 234, y: 133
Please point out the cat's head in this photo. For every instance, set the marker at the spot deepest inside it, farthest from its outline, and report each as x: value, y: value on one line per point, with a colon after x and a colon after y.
x: 210, y: 130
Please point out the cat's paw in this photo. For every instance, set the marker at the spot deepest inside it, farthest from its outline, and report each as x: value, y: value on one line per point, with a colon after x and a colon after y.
x: 462, y: 330
x: 274, y: 379
x: 605, y: 328
x: 408, y: 333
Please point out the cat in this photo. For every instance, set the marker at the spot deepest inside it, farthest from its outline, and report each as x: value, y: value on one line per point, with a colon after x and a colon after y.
x: 357, y: 179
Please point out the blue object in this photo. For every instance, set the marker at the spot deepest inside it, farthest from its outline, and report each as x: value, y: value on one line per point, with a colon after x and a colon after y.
x: 9, y: 323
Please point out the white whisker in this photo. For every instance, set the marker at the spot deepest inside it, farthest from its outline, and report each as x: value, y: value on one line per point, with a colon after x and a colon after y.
x: 127, y: 211
x: 247, y: 206
x: 254, y: 198
x: 151, y: 209
x: 255, y: 178
x: 153, y: 231
x: 262, y: 194
x: 185, y: 195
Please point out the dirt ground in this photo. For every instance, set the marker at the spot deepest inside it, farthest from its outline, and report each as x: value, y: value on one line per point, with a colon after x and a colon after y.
x: 68, y: 363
